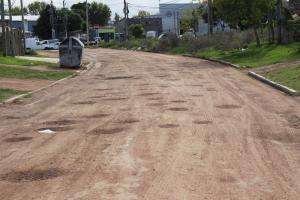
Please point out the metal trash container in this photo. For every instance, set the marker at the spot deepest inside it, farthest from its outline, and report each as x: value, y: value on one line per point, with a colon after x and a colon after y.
x: 70, y: 52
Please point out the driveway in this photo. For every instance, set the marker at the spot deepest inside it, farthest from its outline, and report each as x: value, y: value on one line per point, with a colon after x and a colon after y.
x: 150, y: 126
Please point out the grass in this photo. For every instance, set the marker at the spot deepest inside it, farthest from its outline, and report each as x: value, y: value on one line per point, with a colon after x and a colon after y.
x: 287, y: 76
x: 256, y: 57
x: 8, y: 60
x: 7, y: 93
x: 21, y: 73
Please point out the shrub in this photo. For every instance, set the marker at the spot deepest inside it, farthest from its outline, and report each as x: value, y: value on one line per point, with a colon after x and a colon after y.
x: 136, y: 30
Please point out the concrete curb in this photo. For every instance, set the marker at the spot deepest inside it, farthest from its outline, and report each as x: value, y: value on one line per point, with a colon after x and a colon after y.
x: 278, y: 86
x: 10, y: 100
x: 215, y: 60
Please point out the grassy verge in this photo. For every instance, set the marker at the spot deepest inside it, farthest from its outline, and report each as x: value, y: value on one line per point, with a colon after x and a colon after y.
x: 7, y: 93
x: 7, y: 60
x: 256, y: 57
x: 287, y: 76
x: 21, y: 73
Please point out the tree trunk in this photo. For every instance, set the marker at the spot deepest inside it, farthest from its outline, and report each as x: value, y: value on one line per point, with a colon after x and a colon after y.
x: 256, y: 37
x: 279, y: 21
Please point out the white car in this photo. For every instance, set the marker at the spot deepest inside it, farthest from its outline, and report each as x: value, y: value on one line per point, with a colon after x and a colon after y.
x: 50, y: 44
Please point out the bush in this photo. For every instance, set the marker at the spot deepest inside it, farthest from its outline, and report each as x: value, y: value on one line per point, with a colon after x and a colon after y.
x: 136, y: 30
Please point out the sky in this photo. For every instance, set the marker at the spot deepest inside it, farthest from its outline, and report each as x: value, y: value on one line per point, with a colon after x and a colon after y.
x: 116, y: 6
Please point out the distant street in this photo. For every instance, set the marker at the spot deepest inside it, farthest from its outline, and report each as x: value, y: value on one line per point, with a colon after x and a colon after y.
x: 150, y: 126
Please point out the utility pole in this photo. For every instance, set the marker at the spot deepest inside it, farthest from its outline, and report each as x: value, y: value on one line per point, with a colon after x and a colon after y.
x: 126, y: 12
x: 210, y: 17
x: 65, y: 19
x: 87, y: 22
x: 23, y: 23
x: 52, y: 20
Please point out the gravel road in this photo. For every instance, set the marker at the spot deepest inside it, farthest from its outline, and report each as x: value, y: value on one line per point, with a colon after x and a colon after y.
x: 150, y: 126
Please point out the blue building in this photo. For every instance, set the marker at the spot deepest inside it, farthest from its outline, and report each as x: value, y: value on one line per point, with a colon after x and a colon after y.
x: 29, y: 21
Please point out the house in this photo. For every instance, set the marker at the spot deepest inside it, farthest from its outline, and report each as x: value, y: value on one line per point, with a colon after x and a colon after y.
x: 150, y: 23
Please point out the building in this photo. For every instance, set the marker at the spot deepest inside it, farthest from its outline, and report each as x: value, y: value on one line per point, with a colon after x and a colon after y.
x: 171, y: 15
x: 29, y: 20
x: 150, y: 23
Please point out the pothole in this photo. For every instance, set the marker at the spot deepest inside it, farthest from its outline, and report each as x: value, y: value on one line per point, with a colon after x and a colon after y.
x: 168, y: 126
x: 17, y: 139
x: 228, y: 106
x: 61, y: 122
x: 178, y: 109
x: 118, y: 77
x: 85, y: 103
x: 115, y: 99
x: 211, y: 89
x: 32, y: 175
x: 148, y: 94
x: 97, y: 116
x: 128, y: 121
x: 108, y: 131
x: 294, y: 121
x: 178, y: 101
x: 202, y: 122
x: 156, y: 104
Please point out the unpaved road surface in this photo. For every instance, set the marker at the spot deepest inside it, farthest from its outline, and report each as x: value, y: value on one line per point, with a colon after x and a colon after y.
x: 150, y: 126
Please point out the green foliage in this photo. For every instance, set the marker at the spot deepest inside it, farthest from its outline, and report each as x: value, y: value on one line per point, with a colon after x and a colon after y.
x: 142, y: 14
x: 99, y: 13
x: 22, y: 62
x: 256, y: 57
x: 21, y: 73
x: 35, y: 8
x: 6, y: 93
x: 43, y: 26
x: 287, y: 76
x: 17, y: 10
x: 136, y: 30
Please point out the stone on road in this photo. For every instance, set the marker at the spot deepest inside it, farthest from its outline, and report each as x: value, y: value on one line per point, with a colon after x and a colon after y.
x: 150, y: 126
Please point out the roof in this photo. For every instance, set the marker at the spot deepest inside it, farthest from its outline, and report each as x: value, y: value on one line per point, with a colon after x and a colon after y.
x: 26, y: 17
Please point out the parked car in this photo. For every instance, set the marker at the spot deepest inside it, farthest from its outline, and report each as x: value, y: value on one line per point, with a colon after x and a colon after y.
x: 151, y: 34
x: 50, y: 44
x: 33, y: 44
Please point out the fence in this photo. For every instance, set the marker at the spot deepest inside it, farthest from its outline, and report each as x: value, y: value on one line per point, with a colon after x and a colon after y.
x: 11, y: 42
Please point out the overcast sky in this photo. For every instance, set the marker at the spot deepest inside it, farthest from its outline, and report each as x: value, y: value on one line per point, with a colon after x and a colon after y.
x: 116, y: 6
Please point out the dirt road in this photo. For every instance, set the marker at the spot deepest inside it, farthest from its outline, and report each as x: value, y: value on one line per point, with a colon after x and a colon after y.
x: 149, y: 126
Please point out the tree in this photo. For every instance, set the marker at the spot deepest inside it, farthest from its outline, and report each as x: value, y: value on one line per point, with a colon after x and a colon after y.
x: 117, y: 17
x: 17, y: 11
x: 43, y: 27
x: 75, y: 22
x: 136, y: 30
x: 142, y: 14
x: 243, y: 14
x: 35, y: 8
x: 79, y: 8
x: 99, y: 13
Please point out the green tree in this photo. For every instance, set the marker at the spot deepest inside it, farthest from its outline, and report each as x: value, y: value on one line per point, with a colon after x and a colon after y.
x: 142, y: 14
x: 99, y: 13
x: 35, y: 8
x: 43, y: 26
x: 17, y: 11
x: 136, y: 30
x: 243, y: 14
